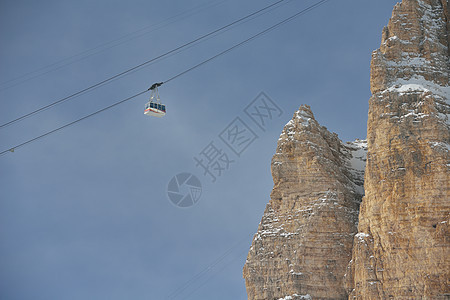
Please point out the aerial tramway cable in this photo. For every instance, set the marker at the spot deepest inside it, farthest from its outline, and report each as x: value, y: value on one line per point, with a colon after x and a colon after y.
x: 138, y: 66
x: 309, y: 8
x: 303, y: 11
x: 72, y: 123
x: 57, y: 65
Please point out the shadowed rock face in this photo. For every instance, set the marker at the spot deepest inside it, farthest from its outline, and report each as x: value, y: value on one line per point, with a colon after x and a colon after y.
x: 304, y: 241
x: 402, y: 248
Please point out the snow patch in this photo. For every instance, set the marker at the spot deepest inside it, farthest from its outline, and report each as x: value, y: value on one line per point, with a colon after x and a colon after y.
x: 295, y: 273
x: 403, y: 89
x: 442, y: 145
x: 418, y: 84
x: 357, y: 163
x: 295, y: 297
x: 361, y: 236
x: 303, y: 116
x: 359, y: 156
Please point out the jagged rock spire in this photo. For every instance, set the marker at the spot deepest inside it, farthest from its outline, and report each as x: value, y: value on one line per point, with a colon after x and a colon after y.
x: 304, y: 240
x: 414, y: 46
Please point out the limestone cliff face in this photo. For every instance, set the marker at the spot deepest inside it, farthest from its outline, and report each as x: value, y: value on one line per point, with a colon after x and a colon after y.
x: 304, y: 241
x: 402, y: 248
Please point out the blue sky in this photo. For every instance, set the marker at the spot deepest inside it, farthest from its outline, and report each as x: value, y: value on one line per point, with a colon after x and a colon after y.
x: 84, y: 213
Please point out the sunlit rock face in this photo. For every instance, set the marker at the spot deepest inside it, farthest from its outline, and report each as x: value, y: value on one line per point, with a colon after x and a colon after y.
x: 309, y: 244
x: 304, y: 241
x: 402, y: 248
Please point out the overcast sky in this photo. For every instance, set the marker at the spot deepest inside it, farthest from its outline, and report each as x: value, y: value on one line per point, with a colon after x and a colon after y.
x: 84, y: 212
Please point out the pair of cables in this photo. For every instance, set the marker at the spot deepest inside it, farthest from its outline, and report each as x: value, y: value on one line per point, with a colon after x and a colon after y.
x: 253, y: 37
x: 59, y: 64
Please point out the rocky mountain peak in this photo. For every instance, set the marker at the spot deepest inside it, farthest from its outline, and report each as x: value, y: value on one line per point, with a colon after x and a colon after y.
x: 304, y: 240
x: 367, y: 219
x: 304, y: 113
x: 414, y: 47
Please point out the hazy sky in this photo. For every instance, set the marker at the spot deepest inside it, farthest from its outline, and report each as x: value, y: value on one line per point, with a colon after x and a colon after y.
x: 84, y: 213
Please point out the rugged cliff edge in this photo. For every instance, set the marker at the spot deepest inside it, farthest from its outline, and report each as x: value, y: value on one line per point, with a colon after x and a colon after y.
x: 402, y: 248
x: 304, y: 240
x: 309, y: 244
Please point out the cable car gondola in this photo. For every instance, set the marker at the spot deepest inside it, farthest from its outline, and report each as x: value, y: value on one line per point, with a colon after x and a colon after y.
x: 154, y: 107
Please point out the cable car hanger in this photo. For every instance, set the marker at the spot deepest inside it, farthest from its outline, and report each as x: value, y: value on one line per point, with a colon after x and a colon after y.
x: 155, y: 86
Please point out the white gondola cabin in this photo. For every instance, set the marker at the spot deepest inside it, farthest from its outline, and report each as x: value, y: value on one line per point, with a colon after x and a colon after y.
x: 155, y: 109
x: 154, y: 106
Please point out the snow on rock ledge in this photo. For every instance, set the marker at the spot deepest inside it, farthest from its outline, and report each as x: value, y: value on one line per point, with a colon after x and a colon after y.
x: 297, y: 297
